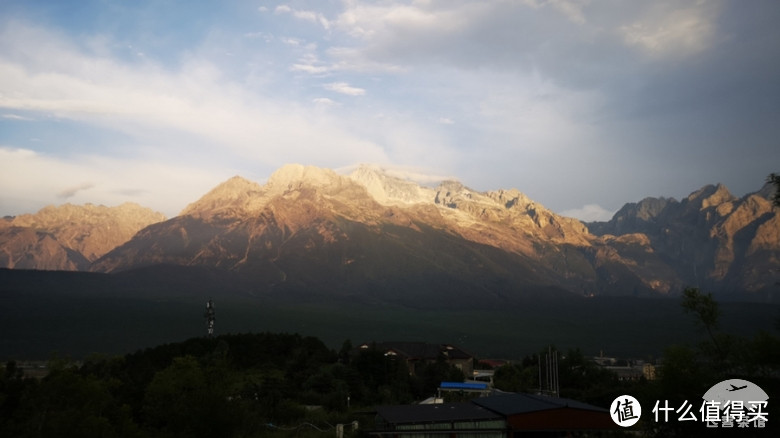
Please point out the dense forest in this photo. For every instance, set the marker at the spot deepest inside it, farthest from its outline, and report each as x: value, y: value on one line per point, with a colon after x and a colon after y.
x: 277, y: 384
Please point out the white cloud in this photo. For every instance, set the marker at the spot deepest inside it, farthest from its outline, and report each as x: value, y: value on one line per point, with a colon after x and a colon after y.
x: 167, y: 188
x: 193, y: 115
x: 369, y: 21
x: 324, y: 102
x: 195, y: 101
x: 537, y: 87
x: 16, y: 117
x: 353, y: 59
x: 417, y: 175
x: 572, y: 9
x: 310, y: 68
x: 295, y: 42
x: 311, y: 16
x: 670, y: 29
x: 589, y: 213
x: 344, y: 88
x: 310, y: 63
x: 526, y: 36
x: 267, y: 37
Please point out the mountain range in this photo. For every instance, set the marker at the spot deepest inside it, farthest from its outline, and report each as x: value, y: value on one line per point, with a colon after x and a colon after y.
x: 372, y: 237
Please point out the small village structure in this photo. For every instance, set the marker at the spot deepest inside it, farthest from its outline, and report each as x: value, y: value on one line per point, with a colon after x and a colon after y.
x: 627, y: 369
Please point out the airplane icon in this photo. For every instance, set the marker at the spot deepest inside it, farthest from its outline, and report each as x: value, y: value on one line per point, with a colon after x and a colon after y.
x: 736, y: 388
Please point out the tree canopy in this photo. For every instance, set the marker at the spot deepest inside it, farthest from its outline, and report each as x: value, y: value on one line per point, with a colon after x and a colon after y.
x: 230, y: 385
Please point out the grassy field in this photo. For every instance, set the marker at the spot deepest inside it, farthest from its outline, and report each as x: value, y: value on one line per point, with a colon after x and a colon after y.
x: 618, y: 327
x: 76, y: 318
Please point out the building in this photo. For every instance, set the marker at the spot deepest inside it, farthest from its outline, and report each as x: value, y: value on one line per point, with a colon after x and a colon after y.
x: 627, y: 369
x: 452, y: 420
x: 547, y: 416
x: 420, y: 353
x: 509, y: 415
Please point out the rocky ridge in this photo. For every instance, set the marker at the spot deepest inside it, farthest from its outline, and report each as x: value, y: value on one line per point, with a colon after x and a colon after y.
x: 69, y: 237
x: 711, y: 238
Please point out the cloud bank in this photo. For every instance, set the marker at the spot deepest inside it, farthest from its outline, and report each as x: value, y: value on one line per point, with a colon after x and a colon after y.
x: 578, y: 104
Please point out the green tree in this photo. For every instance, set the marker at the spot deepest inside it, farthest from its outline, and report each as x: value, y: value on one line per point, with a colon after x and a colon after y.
x: 774, y: 179
x: 189, y: 401
x: 510, y: 377
x: 583, y: 379
x: 385, y: 379
x: 68, y: 404
x: 707, y: 315
x: 345, y: 352
x: 688, y: 372
x: 13, y: 388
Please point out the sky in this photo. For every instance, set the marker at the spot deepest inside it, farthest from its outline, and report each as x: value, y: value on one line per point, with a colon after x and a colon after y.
x: 583, y: 105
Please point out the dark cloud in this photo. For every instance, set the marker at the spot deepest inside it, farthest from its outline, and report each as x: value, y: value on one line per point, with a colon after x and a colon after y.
x: 687, y: 91
x: 71, y: 191
x: 131, y: 192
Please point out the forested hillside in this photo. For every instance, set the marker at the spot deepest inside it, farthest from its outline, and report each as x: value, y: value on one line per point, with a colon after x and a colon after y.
x: 232, y: 385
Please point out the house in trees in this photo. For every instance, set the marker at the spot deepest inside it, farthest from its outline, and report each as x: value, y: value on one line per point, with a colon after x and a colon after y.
x: 416, y: 354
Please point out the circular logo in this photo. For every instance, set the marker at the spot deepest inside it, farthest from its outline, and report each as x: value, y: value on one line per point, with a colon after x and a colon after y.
x: 625, y: 411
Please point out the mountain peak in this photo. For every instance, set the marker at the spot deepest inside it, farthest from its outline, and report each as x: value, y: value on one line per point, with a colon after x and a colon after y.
x: 236, y: 192
x: 234, y: 187
x: 291, y: 176
x: 711, y: 196
x: 388, y: 189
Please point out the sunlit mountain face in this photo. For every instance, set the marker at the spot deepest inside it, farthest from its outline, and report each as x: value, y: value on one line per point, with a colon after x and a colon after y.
x: 375, y: 237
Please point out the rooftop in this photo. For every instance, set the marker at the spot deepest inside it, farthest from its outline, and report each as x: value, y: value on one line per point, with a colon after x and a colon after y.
x: 513, y: 404
x: 410, y: 414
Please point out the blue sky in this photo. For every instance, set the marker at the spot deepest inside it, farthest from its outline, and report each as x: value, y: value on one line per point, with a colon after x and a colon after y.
x: 583, y: 105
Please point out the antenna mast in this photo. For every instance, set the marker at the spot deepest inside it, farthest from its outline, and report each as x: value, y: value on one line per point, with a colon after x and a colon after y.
x: 209, y: 315
x: 550, y: 373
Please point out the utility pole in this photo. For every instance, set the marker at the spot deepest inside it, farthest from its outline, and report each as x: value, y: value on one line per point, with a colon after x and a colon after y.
x: 209, y: 315
x: 539, y: 364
